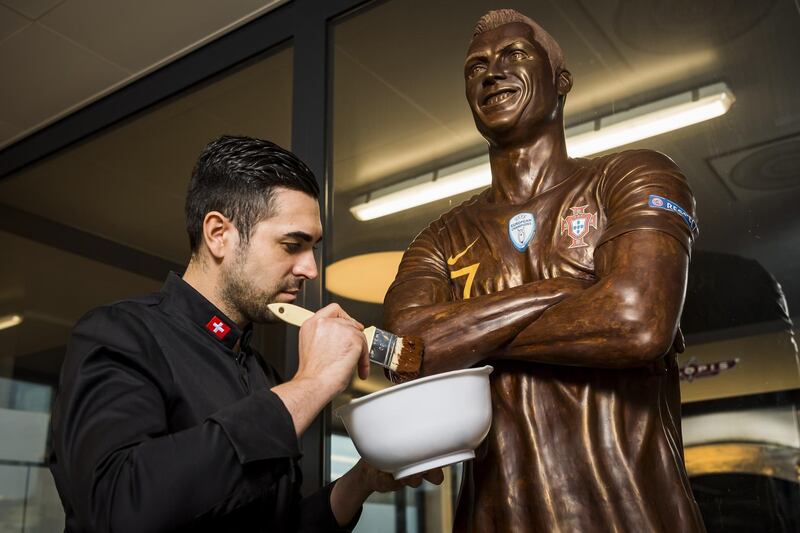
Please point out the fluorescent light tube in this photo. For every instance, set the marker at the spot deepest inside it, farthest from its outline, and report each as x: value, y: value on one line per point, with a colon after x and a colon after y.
x: 9, y: 321
x: 450, y: 181
x: 642, y: 122
x: 650, y: 120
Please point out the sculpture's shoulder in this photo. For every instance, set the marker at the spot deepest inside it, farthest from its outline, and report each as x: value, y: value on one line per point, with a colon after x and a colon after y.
x: 437, y: 235
x: 620, y: 171
x: 462, y: 214
x: 634, y: 162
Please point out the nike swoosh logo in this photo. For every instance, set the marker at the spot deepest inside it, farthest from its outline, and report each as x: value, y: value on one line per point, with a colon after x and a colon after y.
x: 452, y: 260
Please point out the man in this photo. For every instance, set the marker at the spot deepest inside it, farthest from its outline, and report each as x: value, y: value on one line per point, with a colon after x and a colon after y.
x: 568, y: 275
x: 166, y: 419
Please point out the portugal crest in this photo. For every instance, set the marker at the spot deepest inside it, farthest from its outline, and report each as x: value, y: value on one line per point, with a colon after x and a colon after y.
x: 577, y: 225
x: 521, y: 228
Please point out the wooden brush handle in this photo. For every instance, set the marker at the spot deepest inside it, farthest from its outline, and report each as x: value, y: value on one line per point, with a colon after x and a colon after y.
x: 296, y: 315
x: 292, y: 314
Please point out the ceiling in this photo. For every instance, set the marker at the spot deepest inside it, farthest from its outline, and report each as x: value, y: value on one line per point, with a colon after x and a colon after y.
x: 89, y: 48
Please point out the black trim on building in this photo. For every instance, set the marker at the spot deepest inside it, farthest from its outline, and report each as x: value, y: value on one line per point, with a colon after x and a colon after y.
x: 84, y: 244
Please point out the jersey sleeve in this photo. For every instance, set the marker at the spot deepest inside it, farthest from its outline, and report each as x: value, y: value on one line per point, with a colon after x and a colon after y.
x: 423, y: 261
x: 645, y: 190
x: 422, y: 279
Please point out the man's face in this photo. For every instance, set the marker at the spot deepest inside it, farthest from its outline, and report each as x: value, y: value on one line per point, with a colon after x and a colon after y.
x: 278, y: 259
x: 509, y: 83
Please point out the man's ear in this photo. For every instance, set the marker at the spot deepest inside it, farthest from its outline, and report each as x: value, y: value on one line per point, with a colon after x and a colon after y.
x: 564, y: 82
x: 219, y: 234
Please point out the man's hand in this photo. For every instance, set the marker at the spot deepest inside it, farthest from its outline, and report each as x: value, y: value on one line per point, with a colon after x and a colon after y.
x: 353, y: 488
x: 331, y: 345
x: 376, y: 481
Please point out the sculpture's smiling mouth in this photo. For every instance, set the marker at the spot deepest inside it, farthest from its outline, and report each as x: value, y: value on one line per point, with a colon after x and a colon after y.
x: 499, y: 97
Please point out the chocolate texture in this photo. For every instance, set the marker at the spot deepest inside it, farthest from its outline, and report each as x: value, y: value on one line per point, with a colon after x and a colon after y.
x: 568, y: 276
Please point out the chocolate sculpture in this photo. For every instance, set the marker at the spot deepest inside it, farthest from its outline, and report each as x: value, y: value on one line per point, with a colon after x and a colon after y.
x: 568, y: 275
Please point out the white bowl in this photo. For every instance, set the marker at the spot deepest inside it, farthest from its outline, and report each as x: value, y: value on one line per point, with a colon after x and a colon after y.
x: 423, y: 424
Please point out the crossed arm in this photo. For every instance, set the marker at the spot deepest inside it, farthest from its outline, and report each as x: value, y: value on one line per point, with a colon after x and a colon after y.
x: 627, y: 318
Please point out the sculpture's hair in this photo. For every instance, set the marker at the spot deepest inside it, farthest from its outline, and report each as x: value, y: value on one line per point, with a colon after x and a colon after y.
x: 496, y: 18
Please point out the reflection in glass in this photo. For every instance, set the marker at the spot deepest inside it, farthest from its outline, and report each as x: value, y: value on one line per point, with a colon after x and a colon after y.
x: 50, y: 289
x: 142, y: 166
x: 425, y: 508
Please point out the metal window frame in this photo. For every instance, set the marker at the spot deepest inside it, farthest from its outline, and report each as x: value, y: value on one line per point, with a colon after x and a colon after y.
x: 304, y: 23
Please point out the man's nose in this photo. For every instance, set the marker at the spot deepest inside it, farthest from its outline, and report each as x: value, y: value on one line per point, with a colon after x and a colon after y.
x: 307, y: 266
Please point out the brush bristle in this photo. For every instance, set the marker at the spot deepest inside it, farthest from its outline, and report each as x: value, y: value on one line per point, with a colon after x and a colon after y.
x: 407, y: 358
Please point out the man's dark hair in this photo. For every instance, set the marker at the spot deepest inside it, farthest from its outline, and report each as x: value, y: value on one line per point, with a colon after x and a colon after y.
x: 237, y: 176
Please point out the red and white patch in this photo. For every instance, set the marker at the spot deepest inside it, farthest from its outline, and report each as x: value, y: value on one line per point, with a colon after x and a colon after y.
x: 219, y: 328
x: 577, y: 225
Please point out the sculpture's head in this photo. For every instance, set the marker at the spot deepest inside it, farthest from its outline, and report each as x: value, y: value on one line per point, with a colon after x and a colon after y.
x: 515, y: 77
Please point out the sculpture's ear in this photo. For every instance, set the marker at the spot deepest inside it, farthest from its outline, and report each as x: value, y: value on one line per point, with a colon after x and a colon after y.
x: 564, y: 82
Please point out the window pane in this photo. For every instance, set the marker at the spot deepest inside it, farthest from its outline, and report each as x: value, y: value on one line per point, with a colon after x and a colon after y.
x: 48, y: 290
x: 400, y: 120
x: 126, y: 184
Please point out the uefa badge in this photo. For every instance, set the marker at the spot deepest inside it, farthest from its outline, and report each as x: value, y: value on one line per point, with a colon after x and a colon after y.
x: 577, y: 225
x: 521, y: 229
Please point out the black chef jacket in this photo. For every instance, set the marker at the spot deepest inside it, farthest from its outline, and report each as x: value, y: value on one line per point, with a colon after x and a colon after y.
x: 160, y: 425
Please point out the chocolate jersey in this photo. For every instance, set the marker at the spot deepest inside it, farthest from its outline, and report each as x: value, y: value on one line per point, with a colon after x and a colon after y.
x: 570, y: 448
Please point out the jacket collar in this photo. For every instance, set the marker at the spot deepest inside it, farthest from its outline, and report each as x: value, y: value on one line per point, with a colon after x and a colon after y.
x: 186, y: 300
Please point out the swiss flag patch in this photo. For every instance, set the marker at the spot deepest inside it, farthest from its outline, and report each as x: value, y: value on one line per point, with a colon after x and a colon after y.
x: 218, y: 327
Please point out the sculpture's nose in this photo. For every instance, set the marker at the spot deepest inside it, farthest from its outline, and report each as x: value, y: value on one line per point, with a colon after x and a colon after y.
x: 493, y: 73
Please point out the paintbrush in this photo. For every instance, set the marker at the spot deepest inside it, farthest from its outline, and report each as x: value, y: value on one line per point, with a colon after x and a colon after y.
x: 402, y: 355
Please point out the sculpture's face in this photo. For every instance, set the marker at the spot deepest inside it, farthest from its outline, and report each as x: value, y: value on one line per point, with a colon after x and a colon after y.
x: 509, y: 84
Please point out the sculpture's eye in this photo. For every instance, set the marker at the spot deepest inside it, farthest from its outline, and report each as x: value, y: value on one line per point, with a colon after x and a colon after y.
x: 518, y: 55
x: 476, y: 69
